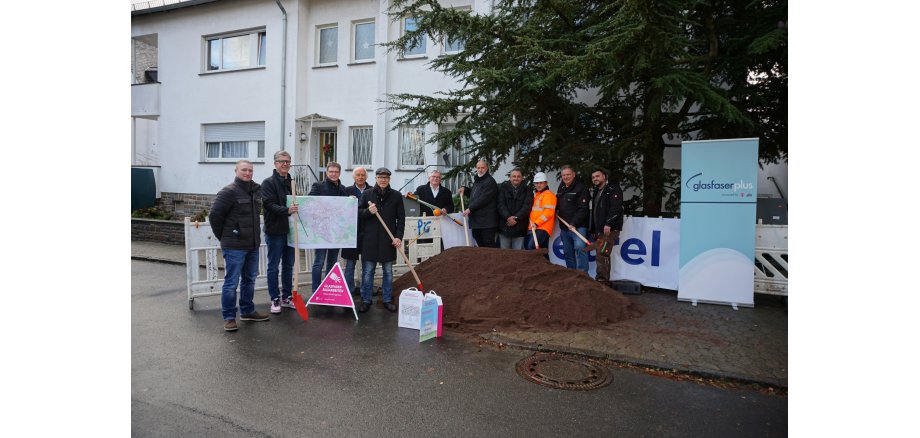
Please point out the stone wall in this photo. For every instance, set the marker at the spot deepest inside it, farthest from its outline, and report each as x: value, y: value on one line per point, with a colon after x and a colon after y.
x: 154, y: 230
x: 181, y: 205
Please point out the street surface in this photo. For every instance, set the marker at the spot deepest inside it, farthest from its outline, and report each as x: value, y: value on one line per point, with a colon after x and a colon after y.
x: 334, y: 376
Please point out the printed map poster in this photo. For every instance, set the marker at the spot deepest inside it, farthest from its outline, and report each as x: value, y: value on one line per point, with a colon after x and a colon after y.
x: 324, y: 222
x: 718, y: 209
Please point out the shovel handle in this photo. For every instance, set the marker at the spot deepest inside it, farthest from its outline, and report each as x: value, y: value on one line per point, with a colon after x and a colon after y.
x: 576, y: 232
x: 400, y: 251
x: 465, y: 232
x: 296, y: 240
x: 534, y: 232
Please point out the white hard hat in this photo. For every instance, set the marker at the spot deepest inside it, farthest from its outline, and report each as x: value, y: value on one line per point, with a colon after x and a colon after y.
x: 539, y: 177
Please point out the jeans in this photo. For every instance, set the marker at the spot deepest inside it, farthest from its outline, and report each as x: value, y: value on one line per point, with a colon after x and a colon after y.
x: 367, y: 280
x: 542, y: 240
x: 511, y: 242
x: 279, y: 251
x: 574, y: 249
x: 350, y: 275
x: 320, y: 254
x: 239, y: 263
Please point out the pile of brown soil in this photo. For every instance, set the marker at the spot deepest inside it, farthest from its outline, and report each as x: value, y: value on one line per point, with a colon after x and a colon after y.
x: 485, y: 289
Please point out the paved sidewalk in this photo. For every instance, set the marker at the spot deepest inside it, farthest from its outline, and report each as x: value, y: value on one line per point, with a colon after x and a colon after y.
x: 744, y: 344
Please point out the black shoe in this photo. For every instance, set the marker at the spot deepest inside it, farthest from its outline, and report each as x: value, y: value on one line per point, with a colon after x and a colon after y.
x: 364, y: 307
x: 390, y: 306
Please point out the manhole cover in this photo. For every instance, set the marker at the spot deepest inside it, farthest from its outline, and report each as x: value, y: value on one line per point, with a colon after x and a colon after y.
x: 564, y: 372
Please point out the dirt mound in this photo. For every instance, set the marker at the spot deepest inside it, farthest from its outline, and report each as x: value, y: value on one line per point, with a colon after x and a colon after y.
x: 502, y: 289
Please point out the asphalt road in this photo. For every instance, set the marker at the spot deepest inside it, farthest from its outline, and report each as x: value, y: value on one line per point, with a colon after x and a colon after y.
x: 334, y: 376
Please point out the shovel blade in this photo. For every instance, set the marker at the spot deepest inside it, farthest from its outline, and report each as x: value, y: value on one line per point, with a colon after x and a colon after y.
x: 300, y: 306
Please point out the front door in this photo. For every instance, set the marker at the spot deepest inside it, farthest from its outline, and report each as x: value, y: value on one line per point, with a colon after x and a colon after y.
x: 325, y: 151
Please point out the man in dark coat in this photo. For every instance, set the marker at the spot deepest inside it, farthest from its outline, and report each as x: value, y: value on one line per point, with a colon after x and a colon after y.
x: 326, y: 256
x: 376, y: 244
x: 606, y: 219
x: 359, y: 174
x: 275, y: 190
x: 234, y: 220
x: 435, y: 194
x: 572, y: 200
x: 514, y: 202
x: 482, y: 209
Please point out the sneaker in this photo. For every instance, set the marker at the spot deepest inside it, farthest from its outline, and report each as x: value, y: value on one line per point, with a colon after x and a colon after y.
x: 254, y: 316
x: 288, y: 302
x: 276, y: 306
x: 230, y: 325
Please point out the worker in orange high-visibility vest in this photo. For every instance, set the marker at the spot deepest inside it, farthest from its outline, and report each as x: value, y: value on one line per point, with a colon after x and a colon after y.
x: 543, y: 212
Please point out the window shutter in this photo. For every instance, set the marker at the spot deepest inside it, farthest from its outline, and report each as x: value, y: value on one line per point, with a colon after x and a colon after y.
x: 249, y: 131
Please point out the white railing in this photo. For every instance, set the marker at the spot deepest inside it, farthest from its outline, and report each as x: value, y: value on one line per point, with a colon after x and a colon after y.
x: 771, y: 260
x: 204, y: 265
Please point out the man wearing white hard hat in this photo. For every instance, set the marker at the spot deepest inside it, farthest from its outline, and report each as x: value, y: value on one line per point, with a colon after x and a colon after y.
x: 542, y: 213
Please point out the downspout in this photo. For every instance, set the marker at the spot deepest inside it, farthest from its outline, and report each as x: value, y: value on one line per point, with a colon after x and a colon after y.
x: 283, y: 68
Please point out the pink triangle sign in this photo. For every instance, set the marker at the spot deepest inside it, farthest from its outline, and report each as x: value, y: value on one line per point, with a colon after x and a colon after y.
x: 333, y: 291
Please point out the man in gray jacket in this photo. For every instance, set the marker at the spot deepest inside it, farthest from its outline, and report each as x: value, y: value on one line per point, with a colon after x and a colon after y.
x: 234, y: 220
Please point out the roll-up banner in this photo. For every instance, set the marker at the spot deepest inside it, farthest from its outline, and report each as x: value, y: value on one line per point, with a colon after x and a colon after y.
x: 718, y: 208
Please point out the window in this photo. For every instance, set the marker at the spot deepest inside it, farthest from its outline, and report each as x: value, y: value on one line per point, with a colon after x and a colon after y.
x: 452, y: 45
x: 235, y: 51
x: 364, y: 41
x: 411, y: 146
x: 229, y: 142
x: 328, y: 49
x: 409, y: 24
x: 362, y: 145
x: 456, y: 155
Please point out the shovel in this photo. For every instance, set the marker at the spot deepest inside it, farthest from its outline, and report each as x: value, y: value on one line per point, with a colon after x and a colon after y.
x: 434, y: 209
x: 401, y: 252
x: 536, y: 244
x: 466, y: 232
x: 299, y: 305
x: 572, y: 229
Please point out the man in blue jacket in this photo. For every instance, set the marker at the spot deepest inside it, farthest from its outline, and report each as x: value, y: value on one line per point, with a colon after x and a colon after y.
x: 234, y: 220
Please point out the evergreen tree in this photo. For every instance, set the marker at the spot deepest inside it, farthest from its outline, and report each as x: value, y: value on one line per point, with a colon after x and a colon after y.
x: 660, y: 70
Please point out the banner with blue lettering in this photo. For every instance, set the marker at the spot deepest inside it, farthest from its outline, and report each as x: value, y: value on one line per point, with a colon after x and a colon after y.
x: 646, y: 252
x: 718, y: 209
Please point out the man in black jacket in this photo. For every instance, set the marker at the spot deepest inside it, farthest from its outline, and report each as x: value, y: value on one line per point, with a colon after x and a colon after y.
x: 572, y: 207
x: 376, y: 244
x: 326, y: 256
x: 275, y: 190
x: 482, y: 209
x: 514, y: 202
x: 434, y: 194
x: 234, y: 220
x: 359, y: 174
x: 606, y: 219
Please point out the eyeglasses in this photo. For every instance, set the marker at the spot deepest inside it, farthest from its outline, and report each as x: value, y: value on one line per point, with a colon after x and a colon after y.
x: 283, y: 161
x: 383, y: 176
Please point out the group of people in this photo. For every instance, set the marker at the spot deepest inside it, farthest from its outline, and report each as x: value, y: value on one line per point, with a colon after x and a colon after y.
x: 510, y: 215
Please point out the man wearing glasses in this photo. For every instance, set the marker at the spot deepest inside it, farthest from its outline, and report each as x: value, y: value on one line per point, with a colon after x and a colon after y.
x: 376, y: 244
x: 275, y: 190
x: 331, y: 186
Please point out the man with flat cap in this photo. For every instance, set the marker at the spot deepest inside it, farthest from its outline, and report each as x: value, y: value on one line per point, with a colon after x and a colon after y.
x: 376, y: 244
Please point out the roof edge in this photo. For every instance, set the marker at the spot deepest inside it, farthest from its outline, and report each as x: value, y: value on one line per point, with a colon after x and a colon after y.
x: 169, y: 7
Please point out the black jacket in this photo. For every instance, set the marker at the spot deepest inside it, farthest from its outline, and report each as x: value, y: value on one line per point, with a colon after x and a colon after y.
x: 353, y: 253
x: 327, y: 188
x: 275, y: 191
x: 483, y: 202
x: 376, y: 245
x: 444, y: 201
x: 572, y: 204
x: 514, y: 202
x: 607, y: 208
x: 234, y: 216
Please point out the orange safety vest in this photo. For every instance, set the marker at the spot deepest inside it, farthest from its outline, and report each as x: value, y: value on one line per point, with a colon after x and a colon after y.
x: 543, y: 212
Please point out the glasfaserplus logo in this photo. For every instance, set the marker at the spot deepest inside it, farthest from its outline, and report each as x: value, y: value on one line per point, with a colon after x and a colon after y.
x: 696, y: 184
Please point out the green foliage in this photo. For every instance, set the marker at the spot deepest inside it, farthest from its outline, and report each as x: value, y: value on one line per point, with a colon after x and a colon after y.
x: 663, y: 71
x: 151, y: 213
x: 202, y: 216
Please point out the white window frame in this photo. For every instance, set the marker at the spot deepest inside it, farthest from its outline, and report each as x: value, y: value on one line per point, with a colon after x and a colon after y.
x: 352, y: 137
x: 424, y: 41
x: 255, y: 147
x: 403, y: 153
x: 319, y: 44
x: 354, y: 41
x: 459, y: 153
x: 256, y: 50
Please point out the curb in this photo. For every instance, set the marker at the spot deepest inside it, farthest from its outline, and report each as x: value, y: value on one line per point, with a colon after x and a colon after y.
x: 546, y: 348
